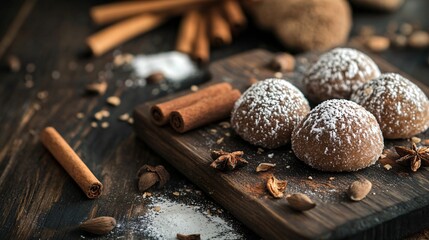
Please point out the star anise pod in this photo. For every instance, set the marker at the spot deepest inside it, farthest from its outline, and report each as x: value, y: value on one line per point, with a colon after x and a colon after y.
x: 226, y: 161
x: 414, y: 156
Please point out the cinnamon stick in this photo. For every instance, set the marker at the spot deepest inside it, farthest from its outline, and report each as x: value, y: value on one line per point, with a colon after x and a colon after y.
x: 71, y: 162
x: 111, y: 12
x: 110, y: 37
x: 234, y: 14
x: 205, y: 111
x: 188, y: 32
x: 220, y: 32
x: 161, y: 112
x: 201, y: 51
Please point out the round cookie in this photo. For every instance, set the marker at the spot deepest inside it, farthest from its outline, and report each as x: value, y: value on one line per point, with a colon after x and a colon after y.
x: 400, y: 107
x: 314, y: 24
x: 267, y: 112
x: 338, y: 135
x: 337, y: 73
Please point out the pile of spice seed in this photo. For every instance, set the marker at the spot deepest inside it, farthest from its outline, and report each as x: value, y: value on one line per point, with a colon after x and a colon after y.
x: 396, y: 35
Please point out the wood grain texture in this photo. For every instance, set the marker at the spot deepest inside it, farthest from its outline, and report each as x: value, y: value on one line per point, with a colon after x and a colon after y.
x: 397, y: 205
x: 38, y: 198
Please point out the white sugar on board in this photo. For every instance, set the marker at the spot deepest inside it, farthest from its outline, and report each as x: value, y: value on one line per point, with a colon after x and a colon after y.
x: 173, y: 217
x: 175, y: 66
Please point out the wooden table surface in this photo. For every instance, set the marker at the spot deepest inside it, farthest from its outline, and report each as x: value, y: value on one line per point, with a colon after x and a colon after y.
x: 38, y: 198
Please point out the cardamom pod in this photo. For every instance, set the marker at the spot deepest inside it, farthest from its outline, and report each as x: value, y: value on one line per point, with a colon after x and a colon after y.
x: 99, y: 225
x: 300, y: 202
x: 359, y: 189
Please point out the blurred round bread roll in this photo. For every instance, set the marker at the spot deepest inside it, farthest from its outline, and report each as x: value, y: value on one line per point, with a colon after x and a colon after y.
x: 305, y: 25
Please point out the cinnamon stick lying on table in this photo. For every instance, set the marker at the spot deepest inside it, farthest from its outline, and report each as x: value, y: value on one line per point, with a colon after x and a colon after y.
x: 188, y: 32
x: 220, y: 33
x: 161, y: 112
x: 203, y: 112
x: 115, y: 11
x: 201, y: 51
x: 71, y: 162
x: 235, y: 15
x: 112, y: 36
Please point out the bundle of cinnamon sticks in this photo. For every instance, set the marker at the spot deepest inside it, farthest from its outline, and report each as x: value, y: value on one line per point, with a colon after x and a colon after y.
x: 204, y: 23
x: 197, y: 109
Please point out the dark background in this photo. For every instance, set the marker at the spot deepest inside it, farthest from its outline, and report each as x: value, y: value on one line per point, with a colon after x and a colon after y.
x: 38, y: 199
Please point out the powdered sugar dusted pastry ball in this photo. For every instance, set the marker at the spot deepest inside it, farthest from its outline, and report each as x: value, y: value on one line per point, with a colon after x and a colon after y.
x: 267, y: 112
x: 337, y: 73
x: 400, y: 107
x: 338, y: 135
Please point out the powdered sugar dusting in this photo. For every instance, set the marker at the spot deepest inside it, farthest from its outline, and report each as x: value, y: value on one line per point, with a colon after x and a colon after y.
x: 341, y: 135
x: 401, y: 108
x: 173, y: 218
x: 339, y: 72
x: 267, y: 112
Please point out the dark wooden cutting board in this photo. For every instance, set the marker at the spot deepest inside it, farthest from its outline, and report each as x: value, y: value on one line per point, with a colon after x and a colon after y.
x: 397, y: 205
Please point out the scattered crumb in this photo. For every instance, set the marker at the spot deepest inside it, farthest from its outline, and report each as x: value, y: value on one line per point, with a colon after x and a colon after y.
x: 55, y: 75
x: 147, y: 194
x: 114, y: 101
x: 194, y: 88
x: 378, y: 43
x: 260, y: 151
x: 373, y: 193
x: 80, y: 115
x: 14, y: 63
x: 101, y: 114
x: 97, y: 88
x: 406, y: 29
x: 122, y: 59
x: 416, y: 139
x: 29, y: 83
x: 176, y: 194
x: 310, y: 178
x: 213, y: 131
x: 31, y: 67
x: 278, y: 75
x: 89, y: 67
x: 42, y: 95
x: 157, y: 208
x: 331, y: 178
x: 131, y: 120
x: 98, y: 116
x: 124, y: 117
x: 105, y: 124
x: 220, y: 140
x: 227, y: 134
x: 271, y: 155
x: 225, y: 124
x: 155, y: 91
x: 94, y: 124
x: 288, y: 166
x: 387, y: 166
